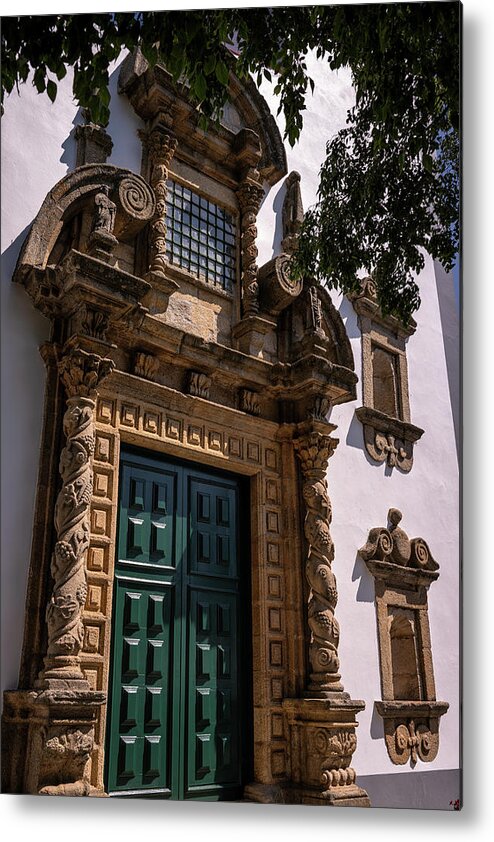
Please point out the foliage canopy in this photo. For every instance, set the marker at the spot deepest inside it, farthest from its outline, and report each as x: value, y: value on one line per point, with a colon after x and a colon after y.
x: 389, y: 187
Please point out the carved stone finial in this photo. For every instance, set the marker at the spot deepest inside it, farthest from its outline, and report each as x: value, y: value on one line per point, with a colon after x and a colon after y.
x: 94, y: 144
x: 292, y: 213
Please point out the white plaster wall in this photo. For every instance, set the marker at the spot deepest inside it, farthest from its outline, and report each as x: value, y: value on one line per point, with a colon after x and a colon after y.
x: 361, y: 490
x: 37, y: 150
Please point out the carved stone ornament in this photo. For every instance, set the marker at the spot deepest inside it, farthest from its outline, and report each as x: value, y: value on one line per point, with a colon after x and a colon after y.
x: 403, y: 569
x: 91, y: 322
x: 411, y: 731
x: 249, y: 402
x: 199, y: 384
x: 250, y: 196
x: 314, y: 451
x: 146, y: 365
x: 81, y: 374
x: 94, y: 144
x: 320, y: 408
x: 277, y: 288
x: 292, y: 213
x: 395, y: 547
x: 161, y: 147
x: 388, y: 439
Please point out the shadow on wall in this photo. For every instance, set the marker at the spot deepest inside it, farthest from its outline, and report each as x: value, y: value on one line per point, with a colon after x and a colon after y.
x: 349, y: 317
x: 377, y: 726
x: 69, y: 145
x: 278, y: 220
x: 365, y: 591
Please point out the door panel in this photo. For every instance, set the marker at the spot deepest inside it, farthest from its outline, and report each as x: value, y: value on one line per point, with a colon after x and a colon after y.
x: 141, y: 692
x: 175, y: 696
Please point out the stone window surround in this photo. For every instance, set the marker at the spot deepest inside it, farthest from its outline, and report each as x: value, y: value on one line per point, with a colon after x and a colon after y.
x: 387, y: 439
x: 411, y: 726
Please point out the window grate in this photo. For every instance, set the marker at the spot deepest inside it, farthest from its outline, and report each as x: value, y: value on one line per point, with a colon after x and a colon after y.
x: 201, y: 236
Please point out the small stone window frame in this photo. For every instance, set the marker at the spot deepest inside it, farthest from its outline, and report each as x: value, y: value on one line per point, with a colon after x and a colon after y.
x: 403, y: 570
x: 389, y: 435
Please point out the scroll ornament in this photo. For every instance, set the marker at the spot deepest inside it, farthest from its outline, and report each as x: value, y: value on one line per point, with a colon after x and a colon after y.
x: 393, y: 545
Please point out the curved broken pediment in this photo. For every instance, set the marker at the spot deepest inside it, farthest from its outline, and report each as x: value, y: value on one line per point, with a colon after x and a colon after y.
x: 74, y: 194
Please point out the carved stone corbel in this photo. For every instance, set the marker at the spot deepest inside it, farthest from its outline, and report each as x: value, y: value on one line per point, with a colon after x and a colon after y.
x: 146, y: 365
x: 250, y: 402
x: 199, y: 384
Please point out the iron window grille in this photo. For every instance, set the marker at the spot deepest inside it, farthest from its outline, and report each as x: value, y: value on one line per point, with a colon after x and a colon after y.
x: 201, y: 236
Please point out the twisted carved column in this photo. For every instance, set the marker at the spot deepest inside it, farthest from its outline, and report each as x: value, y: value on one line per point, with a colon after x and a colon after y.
x: 314, y: 451
x: 250, y: 196
x: 161, y: 148
x: 81, y: 374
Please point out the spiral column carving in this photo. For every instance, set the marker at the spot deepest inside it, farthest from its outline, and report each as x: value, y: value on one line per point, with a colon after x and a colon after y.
x: 250, y: 196
x: 161, y: 147
x: 314, y: 451
x: 81, y: 373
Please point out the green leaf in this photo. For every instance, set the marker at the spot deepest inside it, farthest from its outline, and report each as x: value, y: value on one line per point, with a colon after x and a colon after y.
x: 200, y: 87
x: 51, y: 90
x: 222, y: 73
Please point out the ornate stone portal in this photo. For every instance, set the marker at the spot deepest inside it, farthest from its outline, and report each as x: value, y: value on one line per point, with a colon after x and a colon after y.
x: 241, y: 382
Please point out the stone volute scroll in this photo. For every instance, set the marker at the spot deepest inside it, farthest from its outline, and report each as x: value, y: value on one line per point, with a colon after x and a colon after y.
x: 403, y: 569
x: 322, y: 722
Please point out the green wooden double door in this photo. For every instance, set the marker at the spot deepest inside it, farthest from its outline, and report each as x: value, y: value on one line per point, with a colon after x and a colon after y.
x: 178, y: 708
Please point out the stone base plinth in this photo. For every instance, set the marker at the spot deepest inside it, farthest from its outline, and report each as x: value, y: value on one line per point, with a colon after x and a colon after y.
x: 47, y: 741
x: 323, y: 741
x: 250, y: 332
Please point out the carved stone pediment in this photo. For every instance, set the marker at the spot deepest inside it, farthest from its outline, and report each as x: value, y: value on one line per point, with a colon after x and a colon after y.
x: 366, y: 305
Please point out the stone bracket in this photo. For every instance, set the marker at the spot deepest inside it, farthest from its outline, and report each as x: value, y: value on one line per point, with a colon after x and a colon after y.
x: 411, y: 729
x: 388, y: 439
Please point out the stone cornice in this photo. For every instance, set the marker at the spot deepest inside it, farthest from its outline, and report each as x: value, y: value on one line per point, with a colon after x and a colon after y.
x: 366, y: 306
